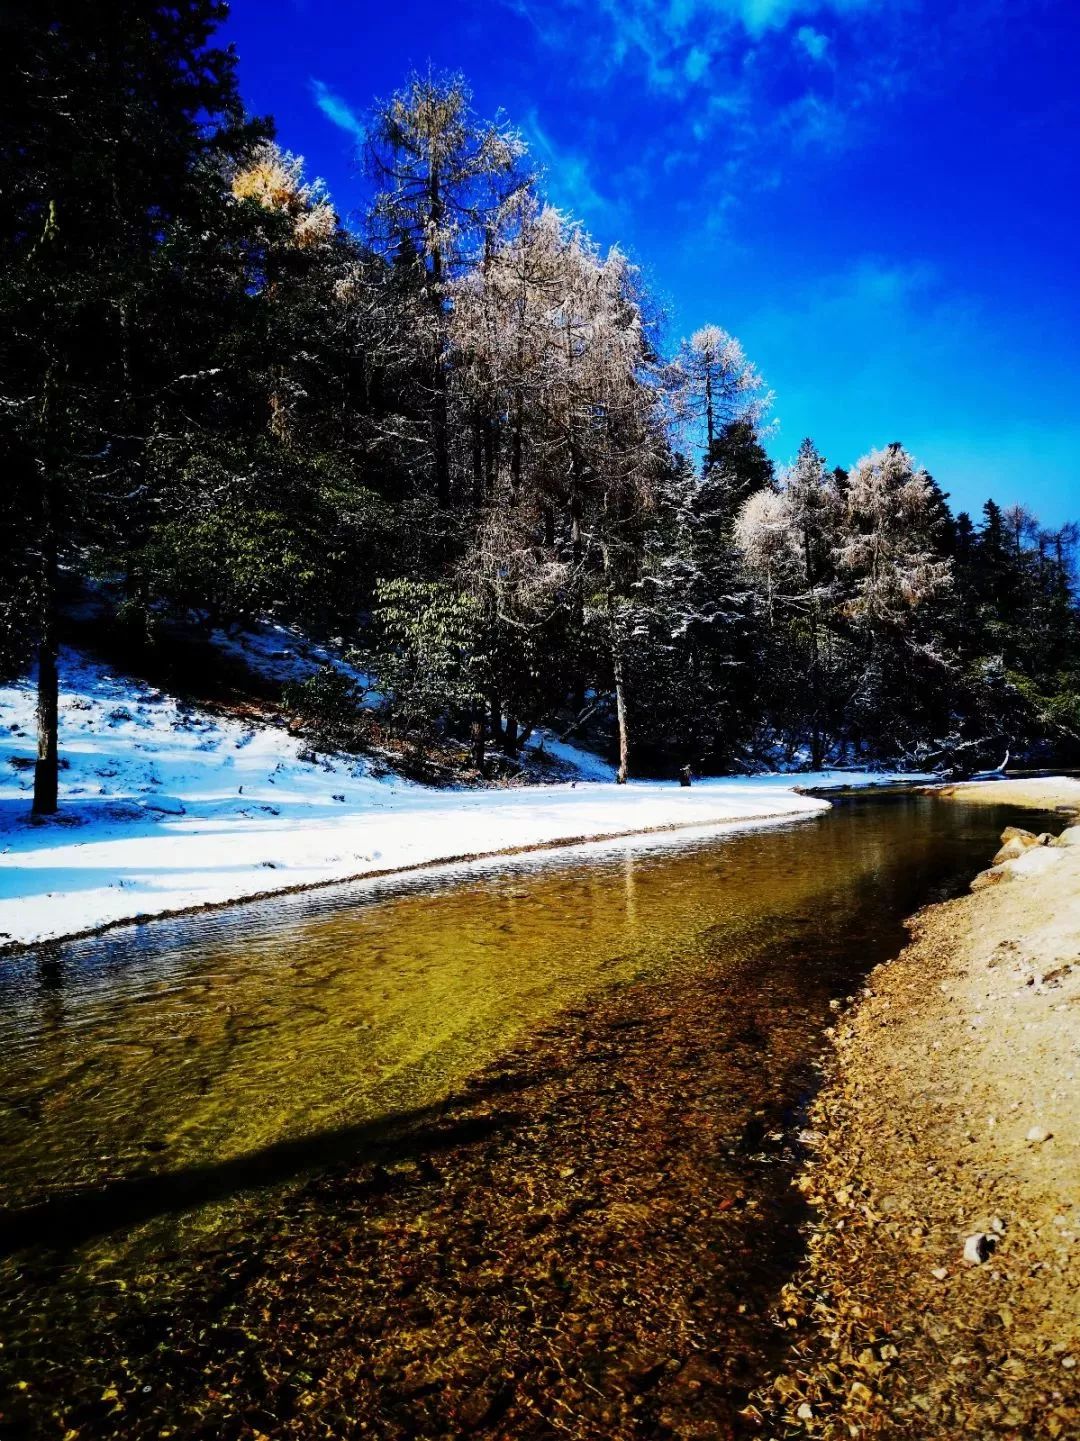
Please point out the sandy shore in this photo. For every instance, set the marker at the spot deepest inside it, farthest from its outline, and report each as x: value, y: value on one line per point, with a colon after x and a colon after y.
x: 1046, y: 793
x: 941, y: 1293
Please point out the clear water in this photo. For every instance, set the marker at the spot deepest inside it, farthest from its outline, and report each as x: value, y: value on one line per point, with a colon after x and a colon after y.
x: 168, y: 1091
x: 150, y: 1055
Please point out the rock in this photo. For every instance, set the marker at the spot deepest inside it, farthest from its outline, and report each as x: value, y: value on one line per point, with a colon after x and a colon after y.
x: 991, y: 877
x: 1014, y: 847
x: 1017, y: 833
x: 1069, y: 837
x: 940, y: 1272
x: 978, y: 1248
x: 1037, y: 1135
x: 697, y: 1373
x: 1056, y: 975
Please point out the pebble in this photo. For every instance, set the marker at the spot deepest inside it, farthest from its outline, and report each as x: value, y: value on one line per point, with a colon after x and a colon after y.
x: 977, y: 1248
x: 1037, y: 1135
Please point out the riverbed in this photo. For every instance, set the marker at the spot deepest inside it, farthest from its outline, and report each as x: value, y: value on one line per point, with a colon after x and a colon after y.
x: 507, y: 1151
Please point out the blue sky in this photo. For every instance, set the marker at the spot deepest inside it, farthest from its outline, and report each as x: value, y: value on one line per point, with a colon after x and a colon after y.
x: 878, y: 197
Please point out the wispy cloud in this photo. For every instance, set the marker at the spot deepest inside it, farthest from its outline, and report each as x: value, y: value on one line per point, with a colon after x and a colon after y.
x: 568, y: 173
x: 338, y: 111
x: 813, y: 42
x: 671, y: 41
x: 739, y: 90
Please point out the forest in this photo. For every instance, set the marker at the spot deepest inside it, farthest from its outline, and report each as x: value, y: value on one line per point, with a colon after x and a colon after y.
x: 457, y: 439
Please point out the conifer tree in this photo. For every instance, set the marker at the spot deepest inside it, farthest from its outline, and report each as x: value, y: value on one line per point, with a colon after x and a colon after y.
x: 108, y: 113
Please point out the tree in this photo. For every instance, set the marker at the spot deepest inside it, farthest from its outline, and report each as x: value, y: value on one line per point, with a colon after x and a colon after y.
x: 442, y: 178
x: 888, y: 548
x: 788, y: 539
x: 897, y: 577
x: 108, y: 116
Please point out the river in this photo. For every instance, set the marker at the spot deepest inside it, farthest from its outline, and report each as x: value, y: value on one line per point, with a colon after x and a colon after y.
x: 306, y: 1077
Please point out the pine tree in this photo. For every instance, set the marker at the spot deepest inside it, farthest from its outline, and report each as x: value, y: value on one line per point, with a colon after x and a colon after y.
x: 107, y: 114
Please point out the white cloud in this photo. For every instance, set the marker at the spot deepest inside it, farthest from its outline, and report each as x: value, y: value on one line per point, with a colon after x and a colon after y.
x: 337, y: 111
x: 570, y: 185
x: 651, y: 30
x: 757, y: 16
x: 696, y: 64
x: 813, y: 42
x: 740, y: 89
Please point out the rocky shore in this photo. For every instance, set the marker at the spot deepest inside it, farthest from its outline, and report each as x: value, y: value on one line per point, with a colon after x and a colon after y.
x: 940, y: 1297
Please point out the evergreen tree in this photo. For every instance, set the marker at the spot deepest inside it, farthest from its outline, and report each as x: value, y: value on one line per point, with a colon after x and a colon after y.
x: 108, y: 115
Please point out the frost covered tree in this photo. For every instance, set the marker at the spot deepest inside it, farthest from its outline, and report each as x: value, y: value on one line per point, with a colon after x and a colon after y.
x: 788, y: 540
x: 442, y: 178
x: 897, y: 578
x: 719, y: 385
x: 889, y: 546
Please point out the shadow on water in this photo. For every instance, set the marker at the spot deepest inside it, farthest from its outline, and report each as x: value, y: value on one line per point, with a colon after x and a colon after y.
x: 70, y: 1219
x: 584, y: 1066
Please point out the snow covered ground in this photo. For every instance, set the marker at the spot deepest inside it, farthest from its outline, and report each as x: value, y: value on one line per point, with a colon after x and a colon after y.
x: 165, y: 807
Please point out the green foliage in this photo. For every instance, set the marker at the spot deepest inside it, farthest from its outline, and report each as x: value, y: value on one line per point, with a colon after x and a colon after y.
x: 329, y: 705
x: 232, y: 564
x: 430, y: 652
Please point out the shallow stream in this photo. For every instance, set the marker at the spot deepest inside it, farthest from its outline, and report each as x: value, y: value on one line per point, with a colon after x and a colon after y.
x: 167, y: 1083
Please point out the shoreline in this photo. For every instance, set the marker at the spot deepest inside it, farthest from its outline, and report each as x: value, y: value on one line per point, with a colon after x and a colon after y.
x: 940, y: 1293
x: 95, y: 869
x: 792, y: 797
x: 749, y: 820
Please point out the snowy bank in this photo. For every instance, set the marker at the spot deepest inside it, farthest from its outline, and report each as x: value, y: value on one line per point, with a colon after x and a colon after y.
x: 166, y: 808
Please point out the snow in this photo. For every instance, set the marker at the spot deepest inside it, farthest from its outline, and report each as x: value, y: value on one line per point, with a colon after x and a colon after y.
x: 283, y: 653
x: 586, y: 765
x: 166, y: 807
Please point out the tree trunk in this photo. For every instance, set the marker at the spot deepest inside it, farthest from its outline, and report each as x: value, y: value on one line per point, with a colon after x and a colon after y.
x: 477, y: 732
x: 619, y: 671
x: 620, y: 712
x: 441, y: 429
x: 477, y: 457
x: 47, y: 769
x: 817, y: 749
x: 516, y: 445
x: 440, y: 409
x: 577, y: 594
x: 495, y: 706
x: 490, y: 455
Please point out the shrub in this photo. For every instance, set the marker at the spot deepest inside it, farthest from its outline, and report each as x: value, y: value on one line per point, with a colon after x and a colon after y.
x: 329, y: 707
